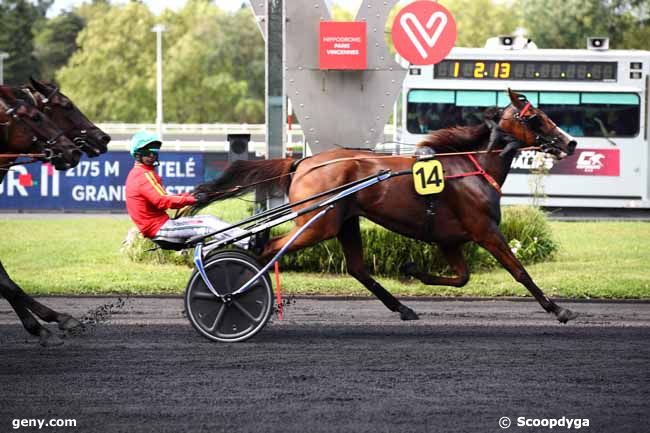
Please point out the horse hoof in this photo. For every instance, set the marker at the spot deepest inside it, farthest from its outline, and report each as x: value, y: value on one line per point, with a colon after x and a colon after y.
x: 564, y: 315
x: 405, y: 313
x: 47, y: 339
x: 68, y: 323
x: 408, y: 269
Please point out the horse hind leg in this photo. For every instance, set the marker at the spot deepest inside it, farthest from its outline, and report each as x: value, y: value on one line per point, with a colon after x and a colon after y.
x: 65, y: 321
x: 31, y: 325
x: 23, y: 303
x: 350, y: 239
x: 454, y: 256
x: 497, y: 246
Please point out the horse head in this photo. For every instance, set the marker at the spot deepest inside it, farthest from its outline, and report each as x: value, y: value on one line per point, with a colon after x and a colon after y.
x: 28, y: 130
x: 85, y: 134
x: 530, y: 126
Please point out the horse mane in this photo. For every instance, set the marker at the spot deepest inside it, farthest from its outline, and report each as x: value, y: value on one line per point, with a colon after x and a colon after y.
x: 463, y: 138
x: 457, y: 138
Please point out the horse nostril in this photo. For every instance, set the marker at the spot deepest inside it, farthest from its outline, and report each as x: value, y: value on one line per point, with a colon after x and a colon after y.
x: 105, y: 139
x: 572, y: 146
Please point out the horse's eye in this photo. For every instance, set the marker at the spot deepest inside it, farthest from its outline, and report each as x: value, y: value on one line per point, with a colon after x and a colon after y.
x: 534, y: 122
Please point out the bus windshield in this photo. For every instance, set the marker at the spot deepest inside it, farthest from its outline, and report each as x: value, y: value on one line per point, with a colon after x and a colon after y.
x: 581, y: 114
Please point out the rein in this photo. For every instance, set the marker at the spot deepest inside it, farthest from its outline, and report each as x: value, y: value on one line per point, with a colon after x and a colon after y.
x: 35, y: 157
x: 470, y: 154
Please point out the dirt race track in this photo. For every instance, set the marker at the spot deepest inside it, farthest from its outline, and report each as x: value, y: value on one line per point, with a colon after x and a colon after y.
x: 335, y: 366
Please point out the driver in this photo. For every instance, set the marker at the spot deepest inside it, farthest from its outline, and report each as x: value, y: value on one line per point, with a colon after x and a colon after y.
x: 147, y: 200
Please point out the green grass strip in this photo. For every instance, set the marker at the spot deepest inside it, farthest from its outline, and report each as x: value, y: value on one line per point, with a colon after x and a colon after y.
x: 61, y: 255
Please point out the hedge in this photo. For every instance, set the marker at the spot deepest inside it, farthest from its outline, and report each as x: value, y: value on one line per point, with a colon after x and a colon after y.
x: 525, y: 228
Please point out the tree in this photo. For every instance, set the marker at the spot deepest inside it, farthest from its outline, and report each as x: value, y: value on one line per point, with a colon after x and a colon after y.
x: 213, y: 65
x: 112, y: 76
x: 215, y: 68
x: 340, y: 14
x: 56, y: 41
x: 568, y: 23
x: 18, y: 18
x: 479, y: 20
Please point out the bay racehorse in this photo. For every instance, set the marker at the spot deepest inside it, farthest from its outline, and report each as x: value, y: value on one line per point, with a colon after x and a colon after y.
x: 468, y: 209
x: 66, y: 115
x: 25, y: 130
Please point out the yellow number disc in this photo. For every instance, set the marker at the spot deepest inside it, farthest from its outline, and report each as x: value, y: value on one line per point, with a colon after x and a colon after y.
x: 428, y: 177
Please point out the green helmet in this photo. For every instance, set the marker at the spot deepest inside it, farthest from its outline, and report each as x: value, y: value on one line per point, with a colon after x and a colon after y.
x: 142, y: 139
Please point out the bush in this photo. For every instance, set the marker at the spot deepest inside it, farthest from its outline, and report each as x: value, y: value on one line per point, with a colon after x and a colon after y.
x: 525, y: 228
x: 142, y: 250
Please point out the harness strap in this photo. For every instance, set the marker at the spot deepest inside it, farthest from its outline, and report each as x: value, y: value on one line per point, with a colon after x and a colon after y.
x: 524, y: 110
x: 479, y: 172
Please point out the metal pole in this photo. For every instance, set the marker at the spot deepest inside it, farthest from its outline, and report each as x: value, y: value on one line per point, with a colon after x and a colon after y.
x: 275, y: 101
x: 158, y: 29
x: 3, y: 56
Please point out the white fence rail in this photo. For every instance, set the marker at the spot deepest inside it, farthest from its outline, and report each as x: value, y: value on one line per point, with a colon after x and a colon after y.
x: 207, y: 136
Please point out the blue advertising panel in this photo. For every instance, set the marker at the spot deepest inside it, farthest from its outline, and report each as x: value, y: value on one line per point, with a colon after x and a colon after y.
x: 95, y: 184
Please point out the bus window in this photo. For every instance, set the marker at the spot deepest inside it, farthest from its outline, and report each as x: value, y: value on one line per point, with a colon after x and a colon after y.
x: 426, y: 108
x: 581, y: 114
x: 564, y: 109
x: 429, y: 110
x: 593, y: 114
x: 470, y: 105
x: 611, y: 114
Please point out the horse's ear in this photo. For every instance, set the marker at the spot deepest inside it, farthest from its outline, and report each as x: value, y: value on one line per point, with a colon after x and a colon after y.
x: 493, y: 114
x: 40, y: 87
x: 517, y: 100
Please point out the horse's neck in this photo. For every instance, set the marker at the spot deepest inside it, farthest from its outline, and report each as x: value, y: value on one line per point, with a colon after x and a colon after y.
x: 498, y: 166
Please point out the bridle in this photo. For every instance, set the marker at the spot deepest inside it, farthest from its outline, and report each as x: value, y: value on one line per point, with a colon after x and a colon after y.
x: 80, y: 137
x: 533, y: 123
x: 49, y: 142
x: 47, y: 154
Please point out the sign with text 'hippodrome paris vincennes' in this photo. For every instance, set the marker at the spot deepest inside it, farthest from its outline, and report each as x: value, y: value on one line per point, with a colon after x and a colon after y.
x: 342, y: 45
x: 94, y: 184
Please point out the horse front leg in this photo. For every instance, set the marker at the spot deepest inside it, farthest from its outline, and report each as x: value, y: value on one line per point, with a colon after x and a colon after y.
x: 495, y: 243
x: 350, y: 238
x: 455, y: 259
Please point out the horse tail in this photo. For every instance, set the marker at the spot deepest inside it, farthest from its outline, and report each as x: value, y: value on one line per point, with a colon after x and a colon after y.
x: 267, y: 176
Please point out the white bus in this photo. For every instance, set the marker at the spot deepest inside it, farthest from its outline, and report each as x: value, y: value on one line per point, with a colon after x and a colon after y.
x: 598, y: 96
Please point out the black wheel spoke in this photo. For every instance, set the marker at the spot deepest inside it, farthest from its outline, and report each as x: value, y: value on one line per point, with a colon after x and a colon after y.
x: 217, y: 319
x: 245, y: 311
x: 208, y: 296
x: 226, y: 279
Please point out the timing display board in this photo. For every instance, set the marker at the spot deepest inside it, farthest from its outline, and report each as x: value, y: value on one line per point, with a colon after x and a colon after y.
x: 525, y: 70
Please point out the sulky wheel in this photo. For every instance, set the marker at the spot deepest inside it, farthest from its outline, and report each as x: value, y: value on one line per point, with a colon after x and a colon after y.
x: 234, y: 319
